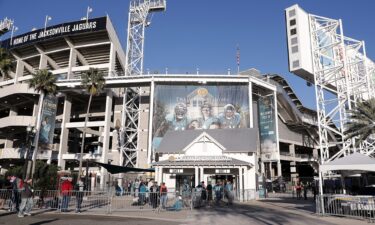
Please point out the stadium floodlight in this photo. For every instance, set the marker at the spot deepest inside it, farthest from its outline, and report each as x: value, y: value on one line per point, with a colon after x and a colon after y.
x: 89, y: 10
x: 14, y: 29
x: 48, y: 18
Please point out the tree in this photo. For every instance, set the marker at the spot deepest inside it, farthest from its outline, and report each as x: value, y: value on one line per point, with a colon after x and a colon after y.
x: 93, y: 81
x: 6, y: 63
x: 44, y: 82
x: 361, y: 121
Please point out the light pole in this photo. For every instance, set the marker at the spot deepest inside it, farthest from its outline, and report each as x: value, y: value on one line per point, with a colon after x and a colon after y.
x: 87, y: 13
x: 48, y: 18
x: 14, y: 29
x: 109, y: 174
x: 30, y: 133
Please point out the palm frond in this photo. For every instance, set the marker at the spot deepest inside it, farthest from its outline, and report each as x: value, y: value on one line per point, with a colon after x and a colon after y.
x: 93, y: 81
x: 6, y: 63
x: 43, y: 81
x: 361, y: 122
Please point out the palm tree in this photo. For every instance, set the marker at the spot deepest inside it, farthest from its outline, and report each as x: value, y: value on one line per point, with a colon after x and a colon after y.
x: 6, y: 63
x: 93, y: 81
x: 361, y: 121
x: 44, y: 82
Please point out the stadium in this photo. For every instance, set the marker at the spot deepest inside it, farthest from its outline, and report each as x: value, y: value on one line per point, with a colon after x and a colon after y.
x: 246, y: 127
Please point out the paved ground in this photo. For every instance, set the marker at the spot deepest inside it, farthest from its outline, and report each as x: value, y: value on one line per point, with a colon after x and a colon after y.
x: 265, y: 212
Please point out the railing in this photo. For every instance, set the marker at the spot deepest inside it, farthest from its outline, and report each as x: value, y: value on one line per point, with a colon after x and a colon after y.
x: 111, y: 201
x: 362, y: 207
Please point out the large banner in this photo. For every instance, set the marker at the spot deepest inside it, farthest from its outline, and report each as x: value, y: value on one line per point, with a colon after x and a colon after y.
x: 48, y: 122
x: 187, y: 107
x: 267, y: 128
x: 54, y: 31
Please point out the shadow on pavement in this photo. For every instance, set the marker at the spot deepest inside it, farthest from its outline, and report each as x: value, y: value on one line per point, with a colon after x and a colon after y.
x: 44, y: 222
x: 252, y: 213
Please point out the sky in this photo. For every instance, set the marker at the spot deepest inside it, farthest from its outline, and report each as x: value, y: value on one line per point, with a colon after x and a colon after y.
x: 204, y: 34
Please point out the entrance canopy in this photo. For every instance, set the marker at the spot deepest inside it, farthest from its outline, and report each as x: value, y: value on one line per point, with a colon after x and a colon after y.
x: 355, y: 161
x: 113, y: 169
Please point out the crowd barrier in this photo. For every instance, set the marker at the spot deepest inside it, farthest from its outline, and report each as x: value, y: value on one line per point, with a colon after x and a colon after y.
x: 362, y: 207
x: 108, y: 201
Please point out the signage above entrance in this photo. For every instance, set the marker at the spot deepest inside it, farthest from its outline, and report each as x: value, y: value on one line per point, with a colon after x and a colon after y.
x: 204, y: 158
x: 59, y: 30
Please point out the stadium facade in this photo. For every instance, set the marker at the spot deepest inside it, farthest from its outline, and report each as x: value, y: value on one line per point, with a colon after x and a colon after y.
x: 193, y: 128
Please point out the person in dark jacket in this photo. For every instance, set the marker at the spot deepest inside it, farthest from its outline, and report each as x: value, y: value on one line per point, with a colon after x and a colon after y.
x: 79, y: 190
x: 154, y: 195
x: 27, y: 201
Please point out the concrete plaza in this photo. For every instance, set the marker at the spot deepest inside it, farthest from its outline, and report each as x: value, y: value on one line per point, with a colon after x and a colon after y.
x: 265, y: 212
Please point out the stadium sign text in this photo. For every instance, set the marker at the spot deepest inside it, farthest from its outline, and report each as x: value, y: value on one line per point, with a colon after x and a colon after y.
x: 56, y: 31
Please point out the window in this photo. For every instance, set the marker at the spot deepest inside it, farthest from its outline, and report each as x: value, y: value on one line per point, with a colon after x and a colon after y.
x: 294, y: 41
x: 296, y: 64
x: 292, y: 13
x: 295, y: 49
x: 292, y: 22
x: 293, y: 31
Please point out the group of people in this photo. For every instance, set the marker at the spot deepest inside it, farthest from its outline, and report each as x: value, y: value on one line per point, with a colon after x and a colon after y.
x: 67, y: 189
x: 145, y: 192
x: 179, y: 120
x: 304, y: 187
x: 21, y: 198
x: 203, y: 194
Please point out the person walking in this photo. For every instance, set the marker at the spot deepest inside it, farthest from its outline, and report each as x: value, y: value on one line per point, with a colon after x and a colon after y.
x: 298, y: 190
x: 154, y: 193
x: 305, y: 191
x: 16, y: 184
x: 66, y: 191
x: 79, y: 190
x: 218, y: 192
x: 209, y: 193
x: 163, y: 195
x: 228, y: 190
x: 27, y: 201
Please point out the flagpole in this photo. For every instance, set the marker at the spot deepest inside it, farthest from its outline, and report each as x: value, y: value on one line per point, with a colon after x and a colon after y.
x: 238, y: 59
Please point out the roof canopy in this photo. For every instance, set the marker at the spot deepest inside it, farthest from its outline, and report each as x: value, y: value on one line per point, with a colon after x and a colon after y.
x: 233, y: 140
x: 113, y: 169
x: 355, y: 161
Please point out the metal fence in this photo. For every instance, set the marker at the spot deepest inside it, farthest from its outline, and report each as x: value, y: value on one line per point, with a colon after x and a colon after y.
x: 109, y: 202
x: 362, y: 207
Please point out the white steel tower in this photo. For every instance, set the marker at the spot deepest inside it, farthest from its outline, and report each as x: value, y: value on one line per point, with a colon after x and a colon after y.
x: 337, y: 65
x: 140, y: 12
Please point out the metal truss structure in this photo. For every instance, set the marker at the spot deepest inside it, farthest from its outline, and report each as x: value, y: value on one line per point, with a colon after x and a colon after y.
x: 343, y: 77
x: 140, y: 12
x: 5, y: 25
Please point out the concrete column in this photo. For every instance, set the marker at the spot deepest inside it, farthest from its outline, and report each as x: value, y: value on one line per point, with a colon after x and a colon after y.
x: 279, y: 169
x: 292, y: 150
x: 240, y: 188
x: 106, y: 133
x: 246, y: 183
x: 196, y: 176
x: 42, y: 61
x: 72, y: 62
x: 272, y: 174
x: 13, y: 111
x: 157, y: 174
x: 160, y: 174
x: 202, y: 175
x: 246, y: 177
x: 63, y: 148
x: 19, y: 70
x: 112, y: 60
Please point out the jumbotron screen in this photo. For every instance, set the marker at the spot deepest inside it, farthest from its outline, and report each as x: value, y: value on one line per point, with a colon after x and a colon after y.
x: 186, y: 107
